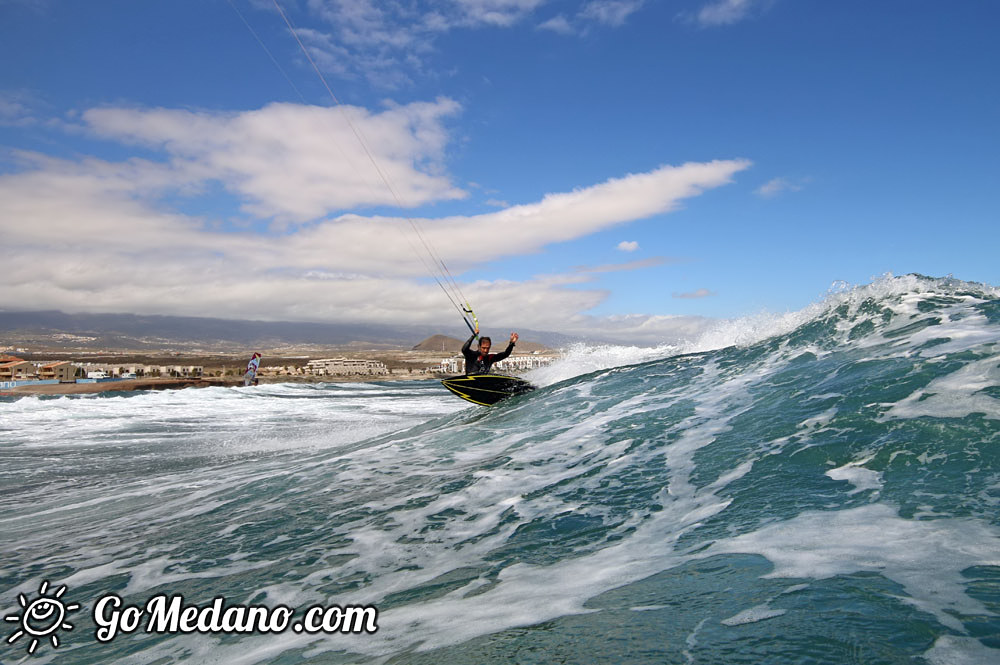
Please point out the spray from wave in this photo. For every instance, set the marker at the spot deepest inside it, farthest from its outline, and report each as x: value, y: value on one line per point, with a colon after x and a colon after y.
x: 843, y: 300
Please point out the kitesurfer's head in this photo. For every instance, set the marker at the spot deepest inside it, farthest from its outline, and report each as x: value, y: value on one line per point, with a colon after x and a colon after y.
x: 484, y: 344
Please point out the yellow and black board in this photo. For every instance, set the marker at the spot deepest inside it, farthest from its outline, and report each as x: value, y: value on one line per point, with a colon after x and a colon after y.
x: 486, y: 389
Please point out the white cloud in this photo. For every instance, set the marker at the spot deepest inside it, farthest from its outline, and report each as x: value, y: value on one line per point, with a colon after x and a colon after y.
x: 636, y: 328
x: 100, y: 236
x: 494, y: 12
x: 16, y: 108
x: 700, y: 293
x: 610, y: 12
x: 39, y: 6
x: 777, y: 186
x: 557, y: 24
x: 387, y: 43
x: 606, y: 13
x: 628, y: 245
x: 296, y: 162
x: 381, y: 41
x: 726, y: 12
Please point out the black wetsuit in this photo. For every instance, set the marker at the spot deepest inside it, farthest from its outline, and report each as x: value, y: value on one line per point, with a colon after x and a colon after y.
x: 477, y: 363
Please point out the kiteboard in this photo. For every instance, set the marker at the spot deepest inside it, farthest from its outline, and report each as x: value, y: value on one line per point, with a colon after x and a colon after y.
x: 486, y: 389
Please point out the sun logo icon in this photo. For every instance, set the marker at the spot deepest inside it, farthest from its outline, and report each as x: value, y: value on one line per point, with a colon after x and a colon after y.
x: 42, y: 617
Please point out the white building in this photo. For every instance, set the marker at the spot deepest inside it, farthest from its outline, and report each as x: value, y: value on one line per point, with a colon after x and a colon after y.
x: 345, y: 367
x: 522, y: 363
x: 144, y: 370
x: 456, y: 365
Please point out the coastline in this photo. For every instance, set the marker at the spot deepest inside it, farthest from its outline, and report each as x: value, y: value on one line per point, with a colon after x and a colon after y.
x: 171, y: 370
x: 130, y: 385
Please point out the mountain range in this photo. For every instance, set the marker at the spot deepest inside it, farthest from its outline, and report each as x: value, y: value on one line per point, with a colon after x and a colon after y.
x: 150, y: 332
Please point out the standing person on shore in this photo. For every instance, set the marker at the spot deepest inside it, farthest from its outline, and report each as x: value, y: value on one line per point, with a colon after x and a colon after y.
x: 250, y: 376
x: 481, y: 360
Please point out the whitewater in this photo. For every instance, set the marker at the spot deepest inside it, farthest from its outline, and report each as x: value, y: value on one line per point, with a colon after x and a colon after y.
x: 820, y: 486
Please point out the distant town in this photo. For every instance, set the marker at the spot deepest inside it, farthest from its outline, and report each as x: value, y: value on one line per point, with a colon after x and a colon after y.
x: 22, y: 367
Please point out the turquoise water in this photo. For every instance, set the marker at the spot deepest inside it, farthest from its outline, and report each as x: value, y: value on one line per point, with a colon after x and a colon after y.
x: 817, y: 487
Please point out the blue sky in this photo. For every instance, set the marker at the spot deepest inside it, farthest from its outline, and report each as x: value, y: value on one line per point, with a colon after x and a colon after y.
x: 625, y: 169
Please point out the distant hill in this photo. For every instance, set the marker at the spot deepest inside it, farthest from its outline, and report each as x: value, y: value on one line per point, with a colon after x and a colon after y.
x: 131, y: 331
x: 146, y: 331
x: 447, y: 344
x: 440, y: 343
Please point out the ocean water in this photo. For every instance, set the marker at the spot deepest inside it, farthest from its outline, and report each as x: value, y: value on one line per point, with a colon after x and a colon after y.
x: 816, y: 487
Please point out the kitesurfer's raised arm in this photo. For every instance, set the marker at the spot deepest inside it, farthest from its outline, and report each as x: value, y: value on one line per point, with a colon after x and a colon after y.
x: 472, y: 364
x: 467, y: 347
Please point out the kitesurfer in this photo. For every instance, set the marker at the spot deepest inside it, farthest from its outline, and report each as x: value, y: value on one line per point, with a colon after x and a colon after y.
x: 481, y: 360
